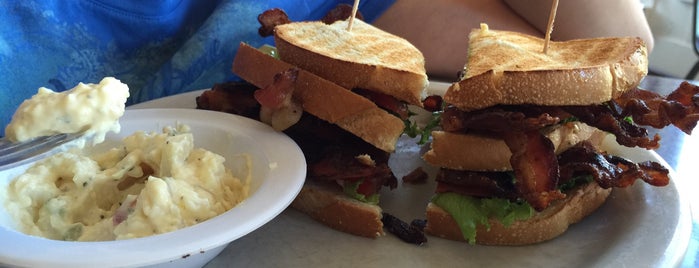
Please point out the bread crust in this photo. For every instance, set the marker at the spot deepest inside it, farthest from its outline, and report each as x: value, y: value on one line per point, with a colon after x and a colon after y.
x: 324, y: 99
x: 365, y: 57
x: 509, y: 68
x: 480, y: 153
x: 543, y: 226
x: 327, y: 204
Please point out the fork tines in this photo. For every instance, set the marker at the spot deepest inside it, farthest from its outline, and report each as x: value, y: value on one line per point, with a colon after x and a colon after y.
x: 12, y: 152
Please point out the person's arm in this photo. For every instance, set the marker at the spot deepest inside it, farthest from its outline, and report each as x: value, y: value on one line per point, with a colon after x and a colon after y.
x: 440, y: 28
x: 587, y: 19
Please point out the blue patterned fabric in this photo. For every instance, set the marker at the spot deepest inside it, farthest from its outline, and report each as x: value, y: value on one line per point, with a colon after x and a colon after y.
x: 157, y: 47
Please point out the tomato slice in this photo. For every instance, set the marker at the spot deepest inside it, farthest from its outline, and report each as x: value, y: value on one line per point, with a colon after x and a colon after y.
x: 367, y: 187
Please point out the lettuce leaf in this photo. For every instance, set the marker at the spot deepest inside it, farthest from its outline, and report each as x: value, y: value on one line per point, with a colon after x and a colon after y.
x: 468, y: 212
x: 412, y: 129
x: 575, y: 182
x: 269, y: 50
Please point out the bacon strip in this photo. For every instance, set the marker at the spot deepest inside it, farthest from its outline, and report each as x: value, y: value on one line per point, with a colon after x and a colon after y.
x: 386, y: 102
x: 496, y: 119
x: 536, y: 168
x: 410, y: 233
x: 533, y: 159
x: 334, y: 163
x: 329, y: 150
x: 609, y: 170
x: 331, y: 155
x: 474, y: 183
x: 680, y: 108
x: 272, y: 17
x: 280, y: 91
x: 269, y: 19
x: 433, y: 103
x: 583, y: 159
x: 232, y: 97
x: 340, y: 12
x: 605, y: 118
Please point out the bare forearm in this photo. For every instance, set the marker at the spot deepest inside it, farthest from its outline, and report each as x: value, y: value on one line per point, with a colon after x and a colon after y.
x: 440, y: 28
x: 587, y: 19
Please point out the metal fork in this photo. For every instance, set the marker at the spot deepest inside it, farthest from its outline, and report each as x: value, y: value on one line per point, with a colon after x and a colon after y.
x: 13, y: 153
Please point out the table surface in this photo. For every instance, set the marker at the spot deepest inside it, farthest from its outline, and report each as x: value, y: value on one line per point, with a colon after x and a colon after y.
x: 681, y: 151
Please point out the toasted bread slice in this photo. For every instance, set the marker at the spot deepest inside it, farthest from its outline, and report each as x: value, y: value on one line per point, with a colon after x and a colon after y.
x: 510, y: 68
x: 543, y: 226
x: 365, y: 57
x: 480, y: 153
x: 324, y: 99
x: 327, y: 204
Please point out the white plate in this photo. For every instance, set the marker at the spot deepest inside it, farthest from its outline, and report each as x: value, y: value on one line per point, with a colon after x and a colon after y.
x: 272, y: 190
x: 641, y: 226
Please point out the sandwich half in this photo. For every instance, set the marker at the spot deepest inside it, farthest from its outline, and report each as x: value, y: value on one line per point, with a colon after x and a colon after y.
x: 342, y: 96
x: 519, y: 149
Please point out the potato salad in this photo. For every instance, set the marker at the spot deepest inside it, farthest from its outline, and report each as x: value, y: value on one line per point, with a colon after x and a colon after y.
x: 151, y: 184
x: 94, y: 109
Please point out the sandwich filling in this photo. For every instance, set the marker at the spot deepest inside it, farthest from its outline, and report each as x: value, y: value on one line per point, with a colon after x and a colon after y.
x: 333, y: 155
x: 538, y: 175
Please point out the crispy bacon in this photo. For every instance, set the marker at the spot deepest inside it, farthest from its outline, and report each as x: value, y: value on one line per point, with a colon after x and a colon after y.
x: 607, y: 119
x: 535, y: 166
x: 386, y: 102
x: 417, y: 176
x: 451, y: 120
x: 232, y: 97
x: 474, y: 183
x: 538, y: 170
x: 649, y: 108
x: 680, y: 108
x: 278, y: 107
x: 687, y: 94
x: 331, y: 155
x: 341, y: 164
x: 411, y: 233
x: 336, y: 165
x: 330, y: 151
x: 583, y: 159
x: 269, y: 19
x: 272, y: 17
x: 433, y: 103
x: 340, y: 12
x: 533, y: 158
x: 609, y: 170
x: 274, y: 95
x: 650, y: 172
x: 497, y: 119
